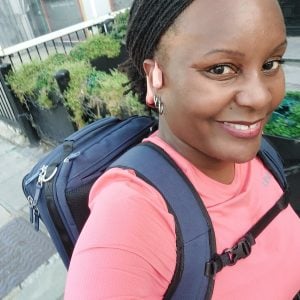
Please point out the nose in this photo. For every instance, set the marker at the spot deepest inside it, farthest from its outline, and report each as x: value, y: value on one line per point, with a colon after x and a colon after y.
x: 255, y: 92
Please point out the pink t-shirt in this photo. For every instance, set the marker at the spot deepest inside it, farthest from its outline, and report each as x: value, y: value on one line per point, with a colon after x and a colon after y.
x: 127, y: 249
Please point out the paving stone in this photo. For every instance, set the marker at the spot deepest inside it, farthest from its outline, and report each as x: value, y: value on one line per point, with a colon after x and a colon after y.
x: 11, y: 194
x: 5, y: 216
x: 13, y: 164
x: 6, y: 147
x: 22, y: 251
x: 46, y: 283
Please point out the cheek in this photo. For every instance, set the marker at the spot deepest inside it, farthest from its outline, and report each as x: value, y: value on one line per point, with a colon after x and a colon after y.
x: 190, y: 92
x: 206, y: 99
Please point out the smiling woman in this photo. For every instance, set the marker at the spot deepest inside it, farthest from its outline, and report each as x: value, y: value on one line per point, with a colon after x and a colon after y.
x: 213, y: 72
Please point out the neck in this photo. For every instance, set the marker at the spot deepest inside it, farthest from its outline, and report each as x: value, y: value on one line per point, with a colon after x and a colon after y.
x: 221, y: 171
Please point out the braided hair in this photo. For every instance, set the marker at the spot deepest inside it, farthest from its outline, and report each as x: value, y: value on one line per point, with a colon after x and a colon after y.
x: 148, y: 21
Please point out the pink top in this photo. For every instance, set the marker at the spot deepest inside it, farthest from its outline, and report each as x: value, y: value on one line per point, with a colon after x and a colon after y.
x: 127, y: 248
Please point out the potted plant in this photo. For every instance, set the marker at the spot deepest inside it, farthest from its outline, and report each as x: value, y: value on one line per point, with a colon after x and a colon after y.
x: 54, y: 115
x: 283, y: 131
x: 34, y: 85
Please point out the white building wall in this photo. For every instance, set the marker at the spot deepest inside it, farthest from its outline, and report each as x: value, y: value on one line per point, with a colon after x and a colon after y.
x: 95, y: 8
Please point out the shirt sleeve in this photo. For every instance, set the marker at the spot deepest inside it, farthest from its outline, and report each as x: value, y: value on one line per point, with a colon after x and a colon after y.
x: 127, y: 248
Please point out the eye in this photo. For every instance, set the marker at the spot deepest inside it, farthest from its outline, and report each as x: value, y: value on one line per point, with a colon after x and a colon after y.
x: 272, y: 65
x: 222, y: 70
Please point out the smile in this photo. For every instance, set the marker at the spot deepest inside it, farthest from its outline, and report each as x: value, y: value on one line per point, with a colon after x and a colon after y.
x: 242, y: 130
x: 243, y: 127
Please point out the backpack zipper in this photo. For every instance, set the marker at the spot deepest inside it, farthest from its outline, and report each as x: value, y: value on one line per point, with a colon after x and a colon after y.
x: 34, y: 214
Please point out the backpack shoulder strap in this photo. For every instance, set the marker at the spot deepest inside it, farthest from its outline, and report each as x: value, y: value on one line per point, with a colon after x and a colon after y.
x: 242, y: 247
x: 194, y: 229
x: 194, y: 276
x: 273, y: 162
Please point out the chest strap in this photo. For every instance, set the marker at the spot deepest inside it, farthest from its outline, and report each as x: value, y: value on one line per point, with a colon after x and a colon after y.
x: 242, y: 248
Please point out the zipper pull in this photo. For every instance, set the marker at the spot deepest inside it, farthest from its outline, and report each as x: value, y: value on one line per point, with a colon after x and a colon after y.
x: 30, y: 200
x: 71, y: 156
x: 34, y: 214
x: 36, y: 219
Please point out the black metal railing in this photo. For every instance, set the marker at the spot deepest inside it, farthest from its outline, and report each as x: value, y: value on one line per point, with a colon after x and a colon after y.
x: 11, y: 110
x: 61, y: 41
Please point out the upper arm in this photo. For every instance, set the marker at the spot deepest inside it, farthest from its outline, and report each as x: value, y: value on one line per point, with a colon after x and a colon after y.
x: 127, y: 249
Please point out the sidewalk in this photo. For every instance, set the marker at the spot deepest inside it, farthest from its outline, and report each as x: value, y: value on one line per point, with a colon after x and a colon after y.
x: 30, y: 268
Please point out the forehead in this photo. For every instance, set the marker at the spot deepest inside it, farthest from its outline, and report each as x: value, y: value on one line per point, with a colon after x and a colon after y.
x: 228, y: 21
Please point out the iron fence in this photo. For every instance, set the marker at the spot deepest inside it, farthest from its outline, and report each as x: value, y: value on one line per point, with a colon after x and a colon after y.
x: 11, y: 111
x: 61, y: 41
x: 6, y: 110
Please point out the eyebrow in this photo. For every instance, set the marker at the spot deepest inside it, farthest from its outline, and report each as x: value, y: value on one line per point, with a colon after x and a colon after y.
x: 281, y: 45
x: 238, y: 53
x: 227, y: 51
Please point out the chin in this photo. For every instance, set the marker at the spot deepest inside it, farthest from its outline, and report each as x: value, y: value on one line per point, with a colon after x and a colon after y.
x: 242, y: 160
x: 243, y: 154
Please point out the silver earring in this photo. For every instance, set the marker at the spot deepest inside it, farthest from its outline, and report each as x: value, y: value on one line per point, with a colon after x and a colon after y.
x: 158, y: 104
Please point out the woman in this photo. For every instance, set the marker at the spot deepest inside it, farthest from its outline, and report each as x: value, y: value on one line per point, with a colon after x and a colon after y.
x: 213, y: 70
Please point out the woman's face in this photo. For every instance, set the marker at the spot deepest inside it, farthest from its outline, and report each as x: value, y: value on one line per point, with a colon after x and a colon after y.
x: 222, y: 78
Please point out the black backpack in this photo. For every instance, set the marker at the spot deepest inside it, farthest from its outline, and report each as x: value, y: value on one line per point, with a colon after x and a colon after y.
x: 57, y: 190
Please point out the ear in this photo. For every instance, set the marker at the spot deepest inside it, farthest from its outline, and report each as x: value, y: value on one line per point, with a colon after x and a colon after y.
x: 154, y: 80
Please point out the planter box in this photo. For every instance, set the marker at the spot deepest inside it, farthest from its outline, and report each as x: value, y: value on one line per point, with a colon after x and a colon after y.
x: 289, y: 149
x: 52, y: 125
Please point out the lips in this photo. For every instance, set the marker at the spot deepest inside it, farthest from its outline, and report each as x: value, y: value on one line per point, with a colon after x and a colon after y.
x: 242, y: 129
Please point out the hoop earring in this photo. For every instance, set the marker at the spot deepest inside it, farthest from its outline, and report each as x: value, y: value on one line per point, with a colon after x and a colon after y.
x: 158, y: 104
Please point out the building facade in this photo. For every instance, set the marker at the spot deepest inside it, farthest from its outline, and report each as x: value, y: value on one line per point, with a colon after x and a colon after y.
x: 291, y: 11
x: 22, y: 20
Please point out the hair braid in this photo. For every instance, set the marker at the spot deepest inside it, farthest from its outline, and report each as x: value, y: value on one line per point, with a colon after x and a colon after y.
x: 148, y: 21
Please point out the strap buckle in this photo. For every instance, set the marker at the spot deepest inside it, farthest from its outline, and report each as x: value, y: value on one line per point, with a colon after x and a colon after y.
x: 241, y: 250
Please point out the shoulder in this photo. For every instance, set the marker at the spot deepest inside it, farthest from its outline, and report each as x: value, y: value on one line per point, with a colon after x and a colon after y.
x: 128, y: 238
x: 126, y: 210
x: 123, y: 186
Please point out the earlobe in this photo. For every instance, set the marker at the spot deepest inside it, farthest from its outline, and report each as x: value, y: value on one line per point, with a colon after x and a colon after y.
x: 153, y: 78
x: 154, y: 73
x: 157, y: 77
x: 148, y: 68
x: 149, y: 95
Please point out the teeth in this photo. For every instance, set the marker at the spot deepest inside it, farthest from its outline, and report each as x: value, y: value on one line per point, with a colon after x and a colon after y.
x: 254, y: 126
x: 242, y: 127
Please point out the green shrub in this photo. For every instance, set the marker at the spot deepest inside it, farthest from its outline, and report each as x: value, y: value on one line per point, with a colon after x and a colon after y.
x: 35, y: 80
x: 293, y: 94
x: 107, y: 95
x: 119, y: 26
x: 285, y: 121
x: 96, y: 46
x: 24, y: 81
x: 77, y: 91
